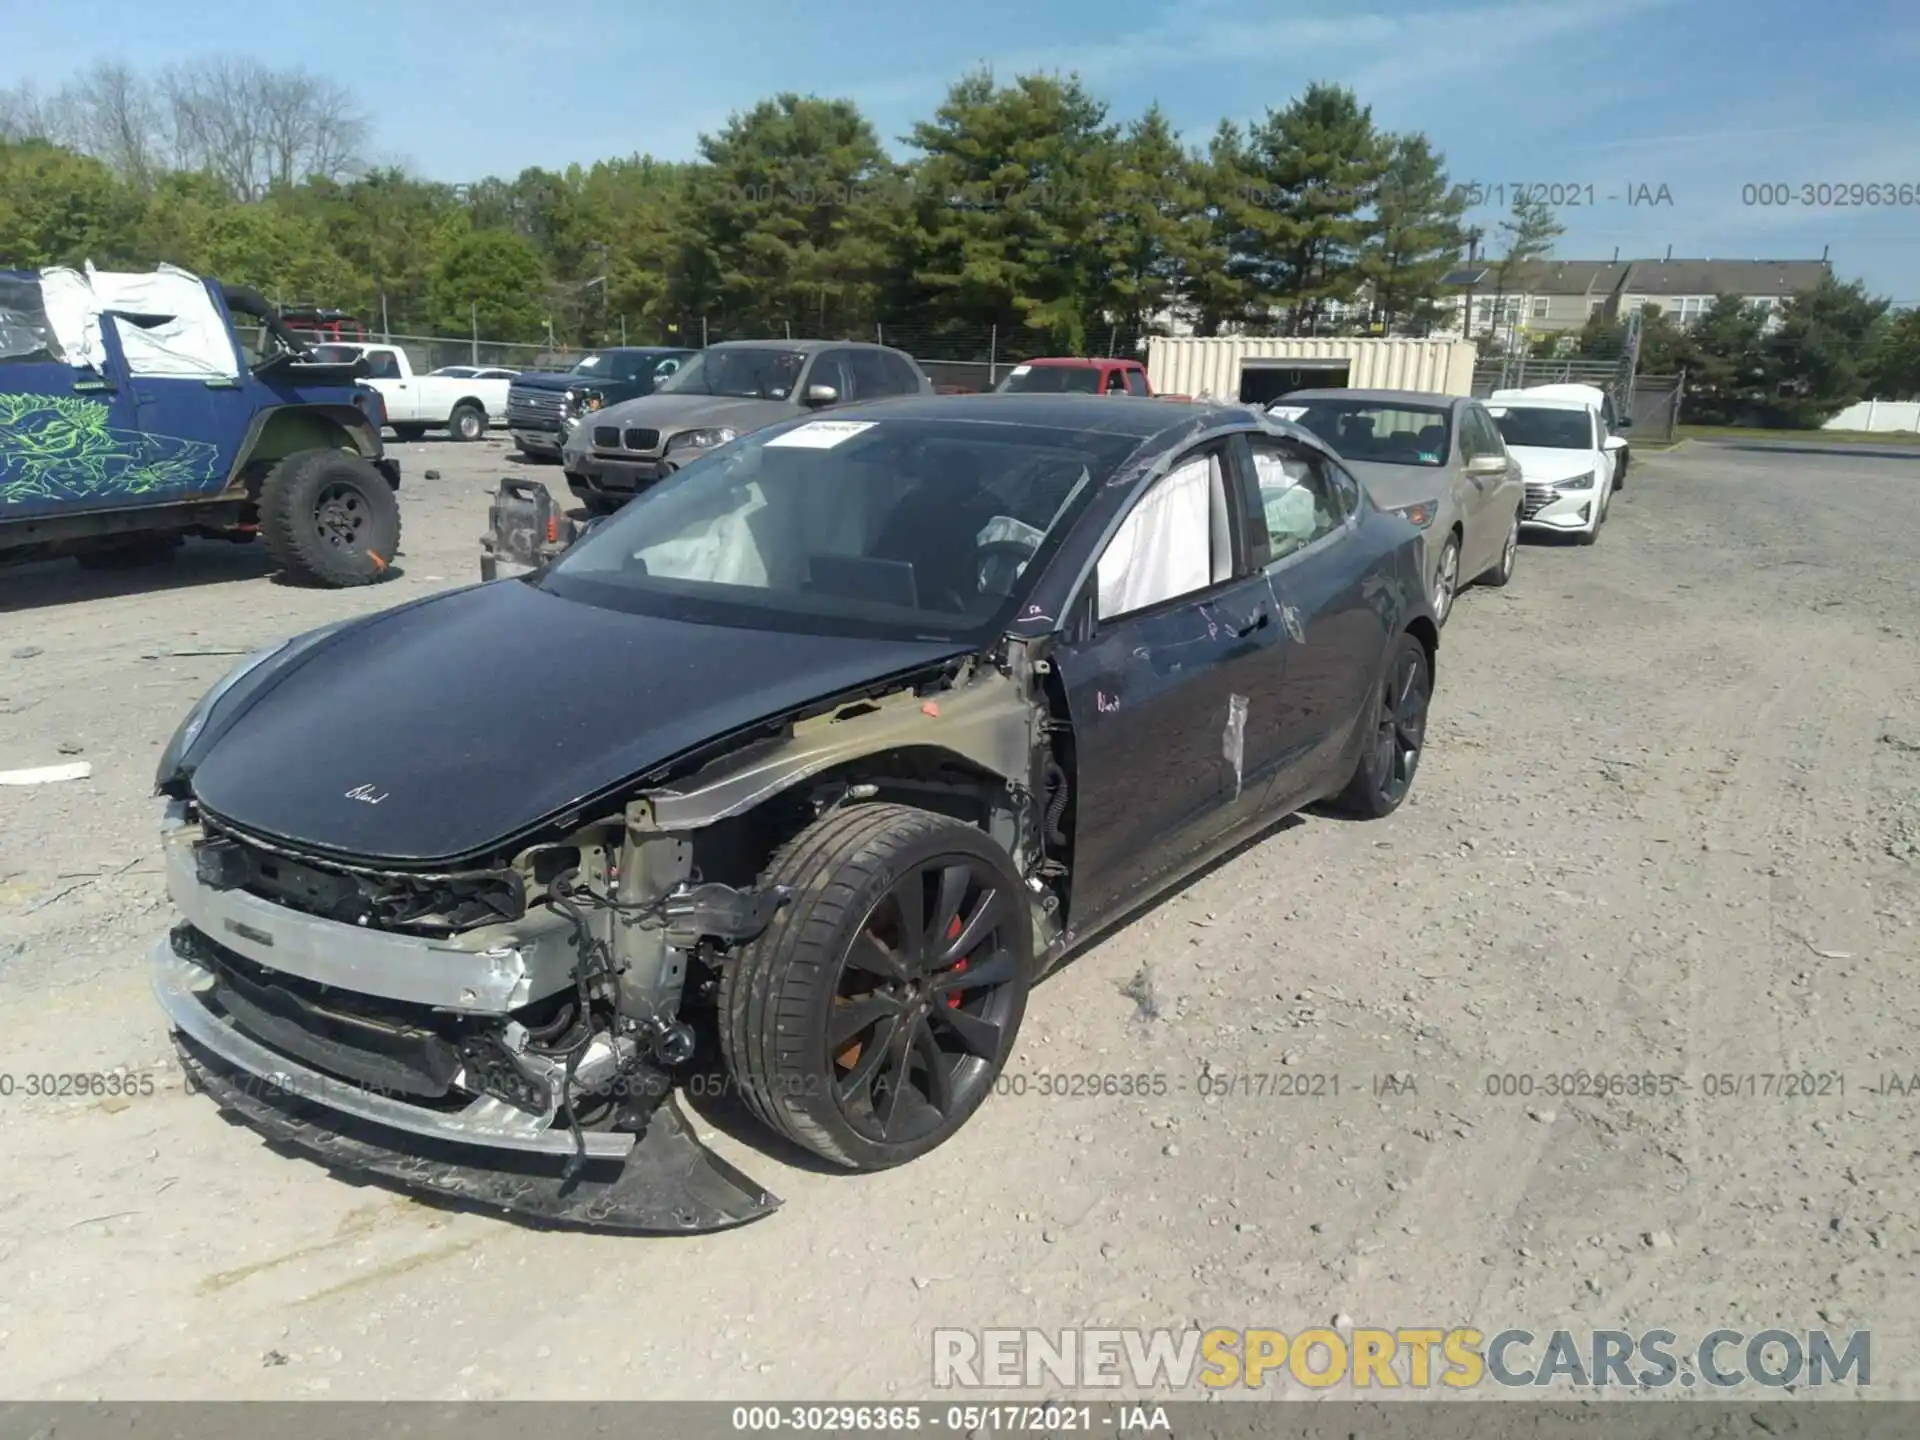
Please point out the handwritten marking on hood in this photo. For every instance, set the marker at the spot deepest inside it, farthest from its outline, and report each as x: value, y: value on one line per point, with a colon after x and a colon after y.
x: 367, y: 794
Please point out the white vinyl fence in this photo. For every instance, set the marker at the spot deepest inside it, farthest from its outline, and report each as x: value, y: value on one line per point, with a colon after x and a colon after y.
x: 1878, y: 415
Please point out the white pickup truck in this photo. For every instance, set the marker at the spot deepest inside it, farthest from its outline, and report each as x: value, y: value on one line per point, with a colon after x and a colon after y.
x: 462, y: 405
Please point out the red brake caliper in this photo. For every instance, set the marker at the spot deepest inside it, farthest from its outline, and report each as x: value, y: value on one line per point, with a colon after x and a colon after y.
x: 953, y: 933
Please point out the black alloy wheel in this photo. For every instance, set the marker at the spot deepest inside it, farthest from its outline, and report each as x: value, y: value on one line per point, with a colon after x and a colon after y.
x: 1391, y: 757
x: 925, y: 999
x: 872, y: 1017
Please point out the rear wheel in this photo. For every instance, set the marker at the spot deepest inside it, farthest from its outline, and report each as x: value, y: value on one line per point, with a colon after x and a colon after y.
x: 870, y: 1020
x: 468, y: 422
x: 330, y: 519
x: 1387, y: 765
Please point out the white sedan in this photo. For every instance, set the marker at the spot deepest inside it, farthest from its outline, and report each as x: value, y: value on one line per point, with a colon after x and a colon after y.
x: 1569, y: 469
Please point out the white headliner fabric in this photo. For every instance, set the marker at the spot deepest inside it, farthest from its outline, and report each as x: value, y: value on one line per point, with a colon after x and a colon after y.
x: 192, y: 342
x: 1163, y: 548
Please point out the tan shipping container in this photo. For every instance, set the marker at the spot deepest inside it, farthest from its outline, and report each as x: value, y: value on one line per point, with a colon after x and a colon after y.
x: 1262, y: 368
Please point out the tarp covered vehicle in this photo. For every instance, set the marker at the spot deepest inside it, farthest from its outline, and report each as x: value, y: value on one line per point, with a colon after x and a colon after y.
x: 134, y: 414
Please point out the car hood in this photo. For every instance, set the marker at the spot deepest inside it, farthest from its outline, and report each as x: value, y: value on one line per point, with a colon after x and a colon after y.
x: 1545, y: 467
x: 550, y: 380
x: 1396, y: 485
x: 464, y: 721
x: 680, y: 412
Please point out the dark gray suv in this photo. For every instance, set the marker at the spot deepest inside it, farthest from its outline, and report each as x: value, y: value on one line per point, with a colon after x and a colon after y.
x: 724, y: 391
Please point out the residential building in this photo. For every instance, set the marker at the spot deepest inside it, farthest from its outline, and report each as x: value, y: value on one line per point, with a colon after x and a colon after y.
x: 1550, y: 296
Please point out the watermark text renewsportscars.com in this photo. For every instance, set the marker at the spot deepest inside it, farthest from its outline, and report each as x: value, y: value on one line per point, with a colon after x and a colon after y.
x: 1433, y: 1358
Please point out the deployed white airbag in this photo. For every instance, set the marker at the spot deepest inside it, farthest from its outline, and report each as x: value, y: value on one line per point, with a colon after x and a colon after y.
x: 1164, y: 547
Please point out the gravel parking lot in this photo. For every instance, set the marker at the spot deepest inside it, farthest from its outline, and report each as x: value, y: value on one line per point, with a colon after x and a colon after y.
x: 1668, y: 823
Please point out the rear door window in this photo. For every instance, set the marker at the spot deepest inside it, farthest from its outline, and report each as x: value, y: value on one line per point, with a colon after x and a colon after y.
x: 831, y: 367
x: 904, y: 378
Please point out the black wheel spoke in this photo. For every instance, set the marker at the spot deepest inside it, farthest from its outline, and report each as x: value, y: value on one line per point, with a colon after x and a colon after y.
x: 898, y: 1048
x: 861, y: 1077
x: 954, y: 880
x: 997, y: 969
x: 938, y: 1064
x: 977, y: 1037
x: 910, y: 900
x: 850, y: 1017
x: 868, y: 954
x: 980, y: 924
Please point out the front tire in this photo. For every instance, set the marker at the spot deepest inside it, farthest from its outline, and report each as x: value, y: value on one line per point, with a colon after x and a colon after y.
x: 329, y: 519
x: 1391, y: 757
x: 871, y: 1019
x: 1509, y: 555
x: 1446, y: 580
x: 410, y: 433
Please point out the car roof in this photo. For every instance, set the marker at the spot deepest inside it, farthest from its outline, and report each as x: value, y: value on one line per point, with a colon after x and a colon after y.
x: 1538, y: 402
x: 1082, y: 361
x: 805, y: 347
x: 1384, y: 397
x: 1565, y: 389
x: 1136, y: 415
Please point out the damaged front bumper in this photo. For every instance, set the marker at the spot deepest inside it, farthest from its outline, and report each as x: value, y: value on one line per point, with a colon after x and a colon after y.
x: 238, y: 978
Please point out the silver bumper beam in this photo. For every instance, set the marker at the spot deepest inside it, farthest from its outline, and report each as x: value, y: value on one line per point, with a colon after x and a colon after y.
x: 484, y: 972
x: 179, y: 984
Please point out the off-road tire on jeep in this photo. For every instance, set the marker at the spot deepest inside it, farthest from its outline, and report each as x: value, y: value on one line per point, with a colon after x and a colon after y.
x: 782, y: 995
x: 468, y: 422
x: 330, y: 519
x: 410, y: 432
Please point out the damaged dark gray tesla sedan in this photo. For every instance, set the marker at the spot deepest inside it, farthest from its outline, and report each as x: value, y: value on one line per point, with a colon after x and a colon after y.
x: 801, y: 769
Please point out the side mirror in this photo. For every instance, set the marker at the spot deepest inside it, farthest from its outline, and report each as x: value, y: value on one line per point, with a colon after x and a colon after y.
x: 1623, y: 423
x: 1487, y: 465
x: 820, y: 395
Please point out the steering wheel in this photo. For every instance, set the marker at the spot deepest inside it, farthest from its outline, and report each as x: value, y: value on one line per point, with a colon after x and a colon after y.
x: 998, y: 564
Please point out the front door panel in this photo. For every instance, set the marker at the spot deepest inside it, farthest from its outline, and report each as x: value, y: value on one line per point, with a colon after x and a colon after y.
x: 199, y: 422
x: 1160, y: 704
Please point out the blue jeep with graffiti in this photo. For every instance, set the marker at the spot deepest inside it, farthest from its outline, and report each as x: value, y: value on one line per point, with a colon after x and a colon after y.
x: 135, y: 411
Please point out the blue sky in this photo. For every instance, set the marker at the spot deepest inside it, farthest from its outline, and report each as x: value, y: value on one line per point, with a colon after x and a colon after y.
x: 1701, y: 96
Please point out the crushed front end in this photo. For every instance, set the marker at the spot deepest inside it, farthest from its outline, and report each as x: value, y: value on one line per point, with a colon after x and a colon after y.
x: 505, y: 1034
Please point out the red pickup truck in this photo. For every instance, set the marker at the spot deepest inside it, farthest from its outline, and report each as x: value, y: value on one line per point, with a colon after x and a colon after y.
x: 1074, y: 375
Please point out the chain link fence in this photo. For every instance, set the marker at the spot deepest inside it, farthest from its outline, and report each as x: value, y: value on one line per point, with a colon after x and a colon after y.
x: 959, y: 360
